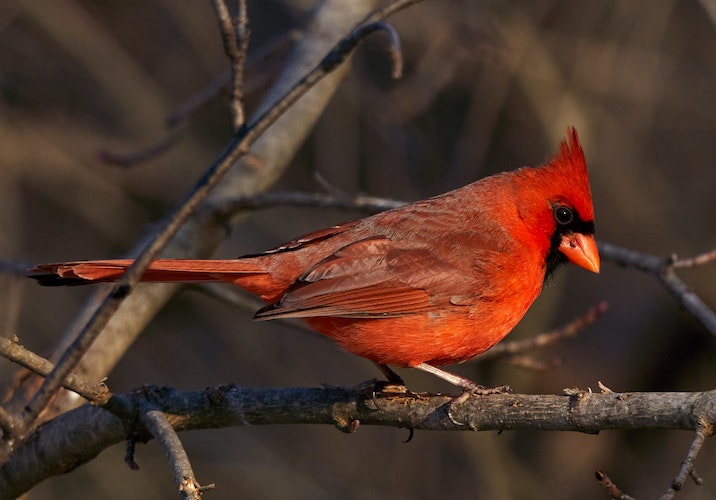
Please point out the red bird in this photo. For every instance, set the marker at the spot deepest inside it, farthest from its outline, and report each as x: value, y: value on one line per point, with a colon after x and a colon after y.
x: 424, y: 285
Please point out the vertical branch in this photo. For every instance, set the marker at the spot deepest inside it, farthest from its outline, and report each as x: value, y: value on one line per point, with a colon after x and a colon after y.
x: 704, y: 430
x: 235, y: 35
x: 158, y: 425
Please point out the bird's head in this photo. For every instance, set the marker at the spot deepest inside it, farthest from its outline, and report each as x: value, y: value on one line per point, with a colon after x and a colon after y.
x: 558, y: 200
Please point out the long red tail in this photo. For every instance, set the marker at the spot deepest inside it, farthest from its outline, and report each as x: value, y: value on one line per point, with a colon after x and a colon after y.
x: 245, y: 273
x: 162, y: 270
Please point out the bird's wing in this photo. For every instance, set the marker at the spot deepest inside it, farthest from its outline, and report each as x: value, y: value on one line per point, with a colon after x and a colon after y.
x: 374, y: 278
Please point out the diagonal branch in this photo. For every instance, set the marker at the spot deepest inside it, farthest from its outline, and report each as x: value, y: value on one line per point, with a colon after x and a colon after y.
x: 571, y: 329
x: 664, y: 271
x: 237, y: 148
x: 94, y: 393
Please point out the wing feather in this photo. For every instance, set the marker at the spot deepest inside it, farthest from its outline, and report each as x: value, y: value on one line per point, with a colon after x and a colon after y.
x: 372, y: 278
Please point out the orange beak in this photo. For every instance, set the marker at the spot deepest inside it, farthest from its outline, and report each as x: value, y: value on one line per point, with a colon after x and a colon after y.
x: 581, y: 249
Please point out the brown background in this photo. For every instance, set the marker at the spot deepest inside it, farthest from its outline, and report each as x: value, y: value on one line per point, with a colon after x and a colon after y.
x: 489, y: 86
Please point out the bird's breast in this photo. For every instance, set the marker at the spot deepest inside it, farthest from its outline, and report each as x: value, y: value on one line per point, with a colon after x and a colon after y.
x: 437, y: 337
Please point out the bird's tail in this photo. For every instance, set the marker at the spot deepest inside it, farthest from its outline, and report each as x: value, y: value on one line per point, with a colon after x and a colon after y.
x: 162, y: 270
x: 247, y: 273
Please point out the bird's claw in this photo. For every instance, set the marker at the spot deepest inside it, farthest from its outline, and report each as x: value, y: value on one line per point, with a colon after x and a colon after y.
x: 486, y: 391
x: 476, y: 390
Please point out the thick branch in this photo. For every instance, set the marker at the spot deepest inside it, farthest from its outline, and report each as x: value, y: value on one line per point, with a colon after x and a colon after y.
x: 78, y: 436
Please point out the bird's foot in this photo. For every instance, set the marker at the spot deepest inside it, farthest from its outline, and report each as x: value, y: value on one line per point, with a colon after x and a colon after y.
x: 470, y: 390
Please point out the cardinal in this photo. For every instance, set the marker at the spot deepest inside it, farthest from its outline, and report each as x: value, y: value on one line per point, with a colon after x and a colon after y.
x: 425, y: 285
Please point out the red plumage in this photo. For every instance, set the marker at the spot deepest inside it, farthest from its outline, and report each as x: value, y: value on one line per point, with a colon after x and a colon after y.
x: 431, y: 283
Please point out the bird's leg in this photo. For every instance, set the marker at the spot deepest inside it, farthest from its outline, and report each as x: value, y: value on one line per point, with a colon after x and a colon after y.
x: 394, y: 383
x: 393, y: 378
x: 469, y: 387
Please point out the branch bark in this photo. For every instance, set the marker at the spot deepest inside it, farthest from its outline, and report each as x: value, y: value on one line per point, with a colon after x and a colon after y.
x: 77, y: 436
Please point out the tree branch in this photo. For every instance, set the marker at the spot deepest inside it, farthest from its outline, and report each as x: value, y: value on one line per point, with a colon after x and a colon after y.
x: 687, y: 470
x: 571, y: 329
x: 235, y: 35
x: 77, y: 436
x: 664, y: 270
x: 157, y: 423
x: 10, y: 349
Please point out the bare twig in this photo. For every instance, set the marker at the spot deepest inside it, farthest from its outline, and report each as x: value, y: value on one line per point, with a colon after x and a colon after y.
x: 394, y: 50
x: 238, y: 147
x: 698, y: 260
x: 177, y: 122
x: 94, y: 393
x: 129, y: 454
x: 8, y: 424
x: 233, y: 296
x: 663, y: 269
x: 136, y: 157
x: 611, y: 489
x: 571, y: 329
x: 532, y: 364
x: 704, y: 430
x: 158, y: 425
x: 264, y: 58
x: 364, y: 203
x: 235, y: 34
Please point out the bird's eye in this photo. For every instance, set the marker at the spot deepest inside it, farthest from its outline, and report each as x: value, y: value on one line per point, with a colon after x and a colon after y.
x: 563, y: 215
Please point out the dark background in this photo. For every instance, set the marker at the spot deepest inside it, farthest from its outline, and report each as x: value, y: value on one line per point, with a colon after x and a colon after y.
x: 488, y: 86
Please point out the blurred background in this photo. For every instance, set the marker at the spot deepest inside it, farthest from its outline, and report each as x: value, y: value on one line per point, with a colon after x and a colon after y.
x: 488, y: 86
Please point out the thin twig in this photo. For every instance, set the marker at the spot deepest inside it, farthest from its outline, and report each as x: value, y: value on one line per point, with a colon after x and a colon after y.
x: 129, y: 459
x: 571, y: 329
x: 530, y: 363
x: 235, y: 35
x: 364, y: 203
x: 158, y: 425
x: 8, y: 424
x: 237, y: 147
x: 697, y: 260
x: 610, y: 488
x: 394, y: 50
x: 664, y: 271
x: 688, y: 299
x: 237, y: 90
x: 687, y: 466
x: 94, y: 393
x: 178, y: 121
x: 142, y: 155
x: 264, y: 57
